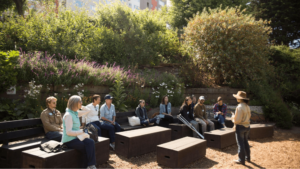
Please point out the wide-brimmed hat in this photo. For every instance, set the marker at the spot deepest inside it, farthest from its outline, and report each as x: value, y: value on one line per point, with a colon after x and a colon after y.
x: 241, y: 95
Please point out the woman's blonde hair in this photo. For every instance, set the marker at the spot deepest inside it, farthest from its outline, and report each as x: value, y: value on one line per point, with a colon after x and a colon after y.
x: 73, y: 102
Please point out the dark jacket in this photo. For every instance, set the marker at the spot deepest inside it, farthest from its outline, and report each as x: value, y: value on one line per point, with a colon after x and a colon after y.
x: 184, y: 112
x: 140, y: 113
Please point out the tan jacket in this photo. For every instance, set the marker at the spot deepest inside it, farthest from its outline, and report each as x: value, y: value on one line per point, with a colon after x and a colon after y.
x: 200, y: 111
x: 242, y: 115
x: 51, y: 121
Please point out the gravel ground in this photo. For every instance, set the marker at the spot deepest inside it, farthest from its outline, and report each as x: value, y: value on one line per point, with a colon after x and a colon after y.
x: 281, y: 151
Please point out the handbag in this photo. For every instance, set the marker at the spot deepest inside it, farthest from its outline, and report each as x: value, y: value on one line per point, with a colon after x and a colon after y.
x: 52, y: 146
x: 134, y: 121
x: 92, y: 131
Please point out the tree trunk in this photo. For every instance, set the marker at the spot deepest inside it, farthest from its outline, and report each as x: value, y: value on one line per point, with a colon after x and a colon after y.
x: 19, y: 6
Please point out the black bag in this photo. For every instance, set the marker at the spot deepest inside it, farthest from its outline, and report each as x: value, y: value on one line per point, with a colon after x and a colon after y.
x: 52, y: 146
x: 92, y: 131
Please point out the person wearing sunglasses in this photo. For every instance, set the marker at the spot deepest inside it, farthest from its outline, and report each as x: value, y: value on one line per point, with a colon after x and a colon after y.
x: 141, y: 113
x: 186, y: 111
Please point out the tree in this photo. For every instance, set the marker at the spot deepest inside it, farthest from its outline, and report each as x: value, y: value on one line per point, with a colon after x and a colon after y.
x: 284, y: 17
x: 5, y: 4
x: 185, y: 9
x: 20, y: 6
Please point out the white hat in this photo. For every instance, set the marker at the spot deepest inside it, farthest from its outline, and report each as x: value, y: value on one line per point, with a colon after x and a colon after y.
x: 201, y: 98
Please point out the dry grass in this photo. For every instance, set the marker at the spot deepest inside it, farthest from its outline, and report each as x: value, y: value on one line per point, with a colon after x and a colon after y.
x: 281, y: 151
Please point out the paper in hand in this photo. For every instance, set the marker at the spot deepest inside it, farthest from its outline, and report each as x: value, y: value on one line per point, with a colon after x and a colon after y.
x: 83, y: 136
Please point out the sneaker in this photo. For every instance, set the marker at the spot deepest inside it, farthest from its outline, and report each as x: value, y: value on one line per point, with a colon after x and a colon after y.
x: 112, y: 146
x: 238, y: 162
x: 91, y: 167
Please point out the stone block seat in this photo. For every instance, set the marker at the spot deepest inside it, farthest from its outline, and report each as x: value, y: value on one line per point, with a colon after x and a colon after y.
x: 70, y: 158
x: 141, y: 141
x: 180, y: 130
x: 220, y: 138
x: 181, y: 152
x: 258, y: 131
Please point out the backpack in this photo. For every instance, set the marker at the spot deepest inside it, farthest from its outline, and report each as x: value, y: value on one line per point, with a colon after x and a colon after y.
x: 92, y: 131
x: 52, y: 146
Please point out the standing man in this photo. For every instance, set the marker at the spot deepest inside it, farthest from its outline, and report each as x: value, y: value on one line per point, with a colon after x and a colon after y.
x: 201, y: 115
x: 220, y: 111
x: 52, y: 120
x: 108, y: 115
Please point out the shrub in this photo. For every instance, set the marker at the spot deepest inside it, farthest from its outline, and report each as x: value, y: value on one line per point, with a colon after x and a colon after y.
x: 114, y: 34
x: 119, y: 95
x: 228, y: 44
x: 287, y: 70
x: 48, y: 70
x: 8, y: 75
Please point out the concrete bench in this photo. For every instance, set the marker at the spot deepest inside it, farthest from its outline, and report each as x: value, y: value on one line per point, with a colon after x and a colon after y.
x: 70, y: 158
x: 141, y: 141
x: 258, y: 131
x: 220, y: 138
x: 10, y: 154
x: 181, y: 152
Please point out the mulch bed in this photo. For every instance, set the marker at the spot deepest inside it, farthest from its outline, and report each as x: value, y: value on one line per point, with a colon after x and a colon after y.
x: 281, y: 151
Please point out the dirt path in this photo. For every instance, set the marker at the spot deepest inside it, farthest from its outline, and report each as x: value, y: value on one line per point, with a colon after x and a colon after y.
x: 281, y: 151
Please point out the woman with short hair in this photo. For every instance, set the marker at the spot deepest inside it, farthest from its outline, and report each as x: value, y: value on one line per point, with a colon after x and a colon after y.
x: 241, y: 120
x: 71, y: 130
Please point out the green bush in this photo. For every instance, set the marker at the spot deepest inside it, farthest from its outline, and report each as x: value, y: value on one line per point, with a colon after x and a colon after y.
x: 287, y: 70
x: 275, y: 109
x: 119, y: 95
x: 296, y: 115
x: 114, y: 34
x: 8, y: 74
x: 218, y: 38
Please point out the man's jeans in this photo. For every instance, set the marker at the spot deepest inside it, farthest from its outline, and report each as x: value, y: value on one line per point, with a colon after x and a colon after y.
x: 150, y: 121
x: 54, y: 135
x: 221, y: 119
x: 204, y: 125
x: 241, y: 134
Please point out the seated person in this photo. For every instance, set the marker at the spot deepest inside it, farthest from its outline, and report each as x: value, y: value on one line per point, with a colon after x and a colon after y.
x: 108, y: 115
x: 52, y: 120
x: 165, y: 108
x: 186, y: 111
x: 201, y: 115
x: 220, y: 111
x: 72, y: 130
x: 194, y: 99
x: 141, y: 113
x: 92, y: 117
